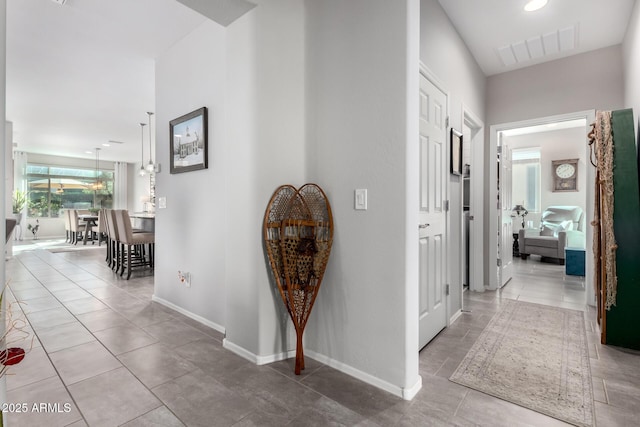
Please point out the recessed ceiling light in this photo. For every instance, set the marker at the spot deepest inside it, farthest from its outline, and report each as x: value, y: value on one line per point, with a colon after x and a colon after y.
x: 89, y: 152
x: 106, y: 144
x: 534, y: 5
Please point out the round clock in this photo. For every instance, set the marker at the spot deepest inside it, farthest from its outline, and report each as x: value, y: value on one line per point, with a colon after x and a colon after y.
x: 565, y: 170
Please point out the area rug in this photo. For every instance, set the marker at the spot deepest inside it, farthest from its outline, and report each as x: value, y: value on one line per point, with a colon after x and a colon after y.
x: 535, y: 356
x: 71, y: 248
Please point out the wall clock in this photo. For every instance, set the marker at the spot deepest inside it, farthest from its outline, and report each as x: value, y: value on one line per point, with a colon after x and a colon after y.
x: 565, y: 174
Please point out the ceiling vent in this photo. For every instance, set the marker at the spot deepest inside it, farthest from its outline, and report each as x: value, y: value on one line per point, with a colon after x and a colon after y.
x: 551, y: 43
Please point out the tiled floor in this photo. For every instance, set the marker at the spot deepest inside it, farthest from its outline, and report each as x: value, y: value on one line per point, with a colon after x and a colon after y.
x: 101, y: 348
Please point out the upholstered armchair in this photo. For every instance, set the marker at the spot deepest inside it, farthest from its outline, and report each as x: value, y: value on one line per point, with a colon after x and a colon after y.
x: 560, y: 227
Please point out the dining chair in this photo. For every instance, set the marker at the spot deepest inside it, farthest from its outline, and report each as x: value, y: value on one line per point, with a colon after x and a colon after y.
x: 75, y: 226
x: 101, y: 229
x: 134, y: 253
x: 67, y: 225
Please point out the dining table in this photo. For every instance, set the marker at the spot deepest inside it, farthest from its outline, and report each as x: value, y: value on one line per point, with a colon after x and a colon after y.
x: 145, y: 221
x: 89, y: 222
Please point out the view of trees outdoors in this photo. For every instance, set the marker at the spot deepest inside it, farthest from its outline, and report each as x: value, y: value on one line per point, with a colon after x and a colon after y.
x: 52, y: 188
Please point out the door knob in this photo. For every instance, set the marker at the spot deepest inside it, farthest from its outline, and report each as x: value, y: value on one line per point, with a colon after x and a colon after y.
x: 425, y: 225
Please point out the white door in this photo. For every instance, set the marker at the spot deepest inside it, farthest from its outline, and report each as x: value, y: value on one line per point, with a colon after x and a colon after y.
x: 505, y: 249
x: 432, y: 215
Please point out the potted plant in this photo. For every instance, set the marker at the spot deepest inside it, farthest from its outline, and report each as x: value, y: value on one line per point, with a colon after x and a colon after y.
x: 19, y: 201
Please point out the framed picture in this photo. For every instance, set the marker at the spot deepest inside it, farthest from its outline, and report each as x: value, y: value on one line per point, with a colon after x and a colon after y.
x: 456, y: 152
x: 565, y: 175
x: 188, y: 142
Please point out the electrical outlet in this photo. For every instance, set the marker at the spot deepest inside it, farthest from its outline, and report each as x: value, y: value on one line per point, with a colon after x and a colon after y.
x: 184, y: 277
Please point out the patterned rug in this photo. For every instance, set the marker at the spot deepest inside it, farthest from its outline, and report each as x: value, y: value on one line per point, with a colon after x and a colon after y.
x: 535, y: 356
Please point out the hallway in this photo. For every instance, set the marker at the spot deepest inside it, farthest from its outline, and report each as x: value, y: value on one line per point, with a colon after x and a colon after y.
x: 100, y: 346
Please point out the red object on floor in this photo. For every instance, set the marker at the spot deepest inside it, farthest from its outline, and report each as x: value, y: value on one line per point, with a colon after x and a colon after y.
x: 11, y: 356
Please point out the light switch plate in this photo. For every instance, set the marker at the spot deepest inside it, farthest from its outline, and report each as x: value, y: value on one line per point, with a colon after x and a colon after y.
x: 162, y: 202
x: 361, y: 199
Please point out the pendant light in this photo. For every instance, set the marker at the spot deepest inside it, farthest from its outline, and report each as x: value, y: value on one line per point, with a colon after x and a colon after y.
x: 150, y: 166
x: 142, y: 170
x: 533, y: 5
x: 98, y: 184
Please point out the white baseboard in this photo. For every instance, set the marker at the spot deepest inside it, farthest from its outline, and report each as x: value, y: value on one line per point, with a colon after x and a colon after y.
x: 189, y: 314
x: 410, y: 393
x: 254, y: 358
x: 404, y: 393
x: 455, y: 317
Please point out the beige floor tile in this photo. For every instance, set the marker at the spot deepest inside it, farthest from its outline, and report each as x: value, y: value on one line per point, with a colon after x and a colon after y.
x: 64, y: 336
x: 158, y: 417
x: 100, y: 320
x: 83, y: 361
x: 122, y: 339
x: 156, y: 364
x: 58, y: 410
x: 112, y: 398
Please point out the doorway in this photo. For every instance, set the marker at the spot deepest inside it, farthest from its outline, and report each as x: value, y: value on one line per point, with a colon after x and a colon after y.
x: 515, y: 134
x: 472, y: 203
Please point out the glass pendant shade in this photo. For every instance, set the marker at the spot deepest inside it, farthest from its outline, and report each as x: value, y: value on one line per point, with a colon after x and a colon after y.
x: 150, y: 166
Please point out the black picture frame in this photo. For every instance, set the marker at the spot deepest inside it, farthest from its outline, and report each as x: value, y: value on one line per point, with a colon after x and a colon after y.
x: 189, y: 143
x: 456, y: 152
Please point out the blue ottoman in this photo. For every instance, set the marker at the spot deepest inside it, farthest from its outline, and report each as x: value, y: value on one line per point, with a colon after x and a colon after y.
x: 574, y: 261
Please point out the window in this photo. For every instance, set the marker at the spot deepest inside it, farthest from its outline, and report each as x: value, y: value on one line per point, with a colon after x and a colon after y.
x: 525, y: 188
x: 52, y: 188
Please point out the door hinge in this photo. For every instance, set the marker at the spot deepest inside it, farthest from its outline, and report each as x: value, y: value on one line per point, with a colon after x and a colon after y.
x: 499, y: 262
x: 499, y: 149
x: 446, y: 206
x: 446, y: 122
x: 446, y: 289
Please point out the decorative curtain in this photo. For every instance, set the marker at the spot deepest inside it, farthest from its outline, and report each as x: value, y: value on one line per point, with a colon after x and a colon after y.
x: 604, y: 241
x: 20, y: 171
x: 120, y: 185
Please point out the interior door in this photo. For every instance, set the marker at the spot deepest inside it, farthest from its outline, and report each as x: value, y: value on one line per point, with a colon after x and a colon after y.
x: 432, y: 214
x: 505, y: 249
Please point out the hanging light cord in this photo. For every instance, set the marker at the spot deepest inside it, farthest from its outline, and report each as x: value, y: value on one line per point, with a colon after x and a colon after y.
x: 142, y: 169
x: 150, y: 165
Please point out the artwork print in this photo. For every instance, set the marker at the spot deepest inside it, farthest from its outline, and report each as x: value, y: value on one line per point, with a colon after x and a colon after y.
x: 189, y: 142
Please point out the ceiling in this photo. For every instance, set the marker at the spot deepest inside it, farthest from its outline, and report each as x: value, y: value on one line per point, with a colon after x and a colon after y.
x: 498, y: 32
x: 82, y: 74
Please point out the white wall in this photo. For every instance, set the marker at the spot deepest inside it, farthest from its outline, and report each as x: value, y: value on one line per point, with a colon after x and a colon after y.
x: 3, y: 195
x: 265, y: 148
x: 251, y: 77
x: 592, y: 80
x: 589, y: 81
x: 448, y: 58
x: 7, y: 181
x: 138, y: 187
x: 362, y: 114
x: 190, y: 232
x: 555, y: 145
x: 631, y: 57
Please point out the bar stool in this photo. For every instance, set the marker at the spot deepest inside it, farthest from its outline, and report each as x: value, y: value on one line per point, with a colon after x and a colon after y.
x: 133, y: 245
x: 113, y: 245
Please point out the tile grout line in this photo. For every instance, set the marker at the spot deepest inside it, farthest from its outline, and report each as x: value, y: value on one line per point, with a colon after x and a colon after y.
x: 47, y: 353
